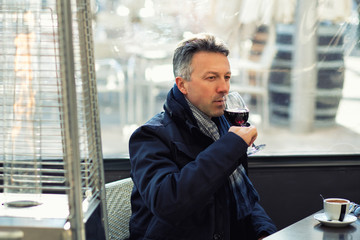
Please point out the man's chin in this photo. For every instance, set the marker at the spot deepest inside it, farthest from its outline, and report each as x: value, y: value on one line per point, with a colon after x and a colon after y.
x: 218, y: 113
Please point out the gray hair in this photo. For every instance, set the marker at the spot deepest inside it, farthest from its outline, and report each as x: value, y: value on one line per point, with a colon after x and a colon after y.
x: 186, y: 49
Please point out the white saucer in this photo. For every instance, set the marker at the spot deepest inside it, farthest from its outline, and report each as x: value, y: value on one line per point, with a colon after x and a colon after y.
x: 335, y: 223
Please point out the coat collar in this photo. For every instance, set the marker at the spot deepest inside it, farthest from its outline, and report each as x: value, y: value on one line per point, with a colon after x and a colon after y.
x: 177, y: 107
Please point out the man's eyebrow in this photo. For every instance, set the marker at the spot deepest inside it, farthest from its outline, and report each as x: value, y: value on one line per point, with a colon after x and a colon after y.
x: 215, y: 73
x: 209, y: 73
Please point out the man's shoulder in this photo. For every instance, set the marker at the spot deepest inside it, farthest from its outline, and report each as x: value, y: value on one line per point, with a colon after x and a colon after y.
x: 159, y: 120
x: 159, y: 123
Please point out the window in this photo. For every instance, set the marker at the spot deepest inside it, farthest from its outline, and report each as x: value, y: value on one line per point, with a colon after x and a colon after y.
x: 297, y: 66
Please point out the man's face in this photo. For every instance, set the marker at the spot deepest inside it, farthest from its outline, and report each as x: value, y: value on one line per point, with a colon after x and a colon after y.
x: 210, y: 82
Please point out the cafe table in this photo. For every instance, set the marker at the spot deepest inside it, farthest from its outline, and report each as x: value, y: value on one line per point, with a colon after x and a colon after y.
x: 311, y: 229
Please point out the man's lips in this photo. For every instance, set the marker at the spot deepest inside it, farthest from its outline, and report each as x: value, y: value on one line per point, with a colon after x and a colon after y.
x: 220, y: 102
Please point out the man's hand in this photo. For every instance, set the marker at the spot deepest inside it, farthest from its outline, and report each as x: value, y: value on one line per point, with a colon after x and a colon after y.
x: 248, y: 134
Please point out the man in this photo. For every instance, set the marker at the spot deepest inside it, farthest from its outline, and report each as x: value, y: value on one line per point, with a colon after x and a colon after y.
x: 188, y: 165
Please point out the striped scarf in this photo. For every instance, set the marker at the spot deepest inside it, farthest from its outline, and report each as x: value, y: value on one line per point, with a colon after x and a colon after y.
x: 243, y: 190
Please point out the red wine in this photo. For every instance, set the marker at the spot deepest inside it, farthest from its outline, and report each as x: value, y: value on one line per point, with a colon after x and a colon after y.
x: 237, y: 117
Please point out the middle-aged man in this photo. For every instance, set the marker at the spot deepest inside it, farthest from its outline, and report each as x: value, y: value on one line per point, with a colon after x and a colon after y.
x: 188, y: 165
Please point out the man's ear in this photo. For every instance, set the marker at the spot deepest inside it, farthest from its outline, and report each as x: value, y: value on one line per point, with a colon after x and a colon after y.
x: 181, y: 84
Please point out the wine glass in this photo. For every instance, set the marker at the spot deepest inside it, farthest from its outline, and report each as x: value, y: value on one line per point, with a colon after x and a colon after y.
x: 237, y: 113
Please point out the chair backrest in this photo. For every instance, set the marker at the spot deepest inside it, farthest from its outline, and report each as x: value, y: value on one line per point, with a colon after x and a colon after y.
x: 119, y: 208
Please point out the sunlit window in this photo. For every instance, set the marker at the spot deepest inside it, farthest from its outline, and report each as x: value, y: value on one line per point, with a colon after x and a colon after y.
x: 296, y: 63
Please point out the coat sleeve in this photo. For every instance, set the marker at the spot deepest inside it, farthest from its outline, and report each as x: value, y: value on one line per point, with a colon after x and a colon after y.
x: 261, y: 222
x: 171, y: 193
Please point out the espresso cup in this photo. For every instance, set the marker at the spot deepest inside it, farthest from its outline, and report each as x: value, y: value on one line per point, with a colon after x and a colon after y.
x: 336, y: 208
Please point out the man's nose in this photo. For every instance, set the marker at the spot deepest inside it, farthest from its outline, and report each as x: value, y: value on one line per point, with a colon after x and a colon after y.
x: 224, y: 85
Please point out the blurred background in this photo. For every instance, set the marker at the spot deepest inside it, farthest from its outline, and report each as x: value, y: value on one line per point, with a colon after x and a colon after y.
x: 294, y: 62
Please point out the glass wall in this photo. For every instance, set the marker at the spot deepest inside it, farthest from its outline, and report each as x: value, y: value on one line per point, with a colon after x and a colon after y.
x: 296, y: 63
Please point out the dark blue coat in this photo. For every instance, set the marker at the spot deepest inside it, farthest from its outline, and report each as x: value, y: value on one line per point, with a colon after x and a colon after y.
x: 181, y: 187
